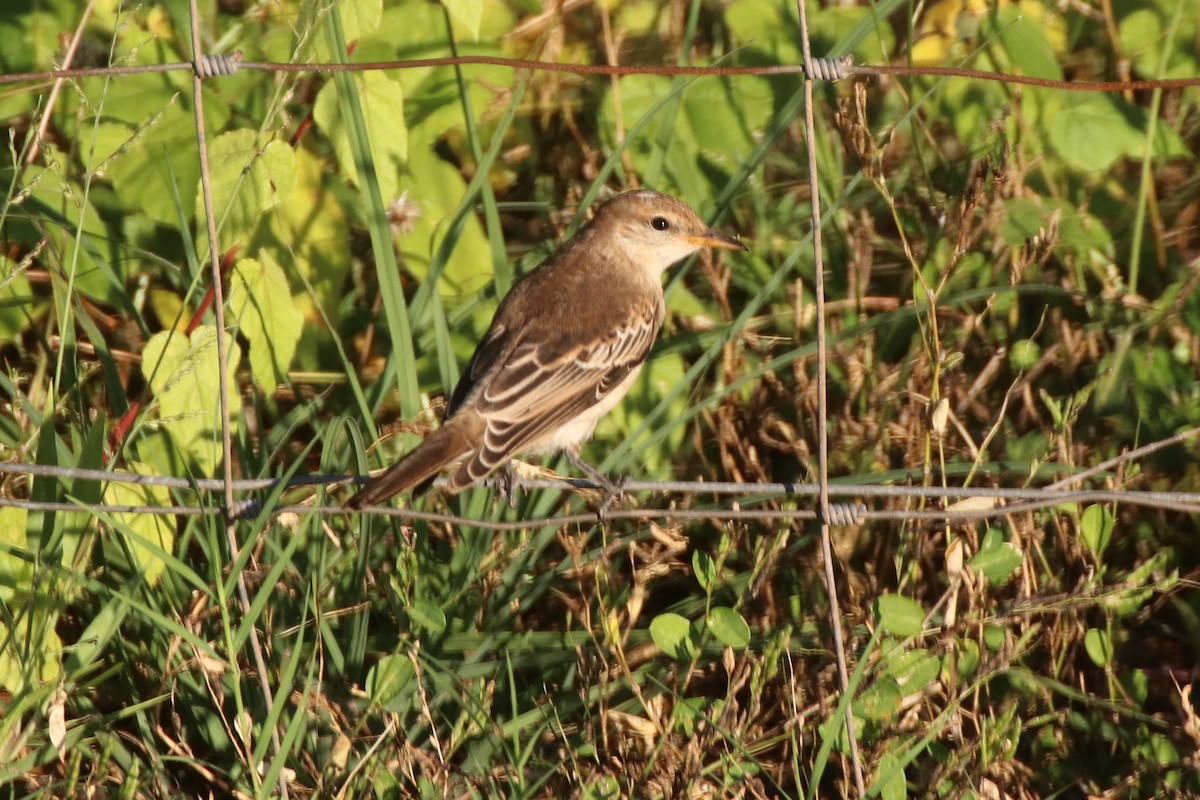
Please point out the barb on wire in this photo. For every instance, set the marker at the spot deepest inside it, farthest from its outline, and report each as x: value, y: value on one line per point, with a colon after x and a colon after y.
x: 846, y: 514
x: 830, y: 69
x: 209, y: 65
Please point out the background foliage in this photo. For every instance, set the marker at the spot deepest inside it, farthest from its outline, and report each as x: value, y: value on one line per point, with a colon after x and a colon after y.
x: 1021, y: 261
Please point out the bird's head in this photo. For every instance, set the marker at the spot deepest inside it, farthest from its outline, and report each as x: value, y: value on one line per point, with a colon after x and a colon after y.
x: 655, y: 230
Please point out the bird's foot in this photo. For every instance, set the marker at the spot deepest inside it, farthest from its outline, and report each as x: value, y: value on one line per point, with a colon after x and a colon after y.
x: 614, y: 491
x: 612, y: 488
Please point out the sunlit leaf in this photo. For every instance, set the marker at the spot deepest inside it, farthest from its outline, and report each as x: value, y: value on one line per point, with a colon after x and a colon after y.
x: 260, y: 306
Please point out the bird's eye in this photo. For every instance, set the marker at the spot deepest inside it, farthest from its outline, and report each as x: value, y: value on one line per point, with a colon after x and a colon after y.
x: 660, y: 223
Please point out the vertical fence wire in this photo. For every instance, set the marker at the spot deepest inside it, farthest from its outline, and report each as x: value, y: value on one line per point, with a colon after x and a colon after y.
x: 231, y: 524
x: 831, y: 587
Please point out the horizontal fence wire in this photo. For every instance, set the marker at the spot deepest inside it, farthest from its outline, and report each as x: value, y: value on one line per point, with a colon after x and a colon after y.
x: 973, y: 503
x: 824, y: 69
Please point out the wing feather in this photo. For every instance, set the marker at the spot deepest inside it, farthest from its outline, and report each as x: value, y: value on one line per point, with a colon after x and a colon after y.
x: 543, y: 383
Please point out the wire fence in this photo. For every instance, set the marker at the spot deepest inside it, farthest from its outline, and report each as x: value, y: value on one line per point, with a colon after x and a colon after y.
x: 210, y: 66
x: 963, y: 503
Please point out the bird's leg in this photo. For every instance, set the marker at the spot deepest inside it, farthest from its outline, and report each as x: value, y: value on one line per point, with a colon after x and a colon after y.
x: 507, y: 483
x: 614, y: 488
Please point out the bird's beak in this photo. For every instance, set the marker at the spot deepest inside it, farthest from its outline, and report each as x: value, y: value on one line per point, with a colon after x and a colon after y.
x: 711, y: 238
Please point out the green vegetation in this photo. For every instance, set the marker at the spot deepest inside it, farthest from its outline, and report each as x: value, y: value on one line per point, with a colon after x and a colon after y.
x: 1012, y: 286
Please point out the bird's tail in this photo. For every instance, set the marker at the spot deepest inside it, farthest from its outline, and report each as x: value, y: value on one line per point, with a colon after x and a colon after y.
x: 440, y: 449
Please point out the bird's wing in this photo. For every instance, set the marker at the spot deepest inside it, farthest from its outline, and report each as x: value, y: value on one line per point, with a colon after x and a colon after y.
x: 547, y: 381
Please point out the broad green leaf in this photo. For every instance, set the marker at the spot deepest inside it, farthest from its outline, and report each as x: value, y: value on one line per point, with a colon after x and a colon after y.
x: 1143, y: 36
x: 388, y: 678
x: 260, y: 305
x: 890, y: 773
x: 432, y: 191
x: 1024, y: 40
x: 713, y: 129
x: 1096, y: 527
x: 32, y: 657
x: 881, y: 700
x: 144, y: 534
x: 1092, y: 131
x: 1079, y: 232
x: 16, y: 560
x: 64, y: 199
x: 159, y: 160
x: 311, y: 230
x: 182, y: 373
x: 248, y: 179
x: 1099, y: 647
x: 899, y: 615
x: 997, y: 564
x: 673, y: 634
x: 360, y: 18
x: 428, y: 615
x: 913, y: 669
x: 382, y: 102
x: 468, y: 12
x: 729, y: 627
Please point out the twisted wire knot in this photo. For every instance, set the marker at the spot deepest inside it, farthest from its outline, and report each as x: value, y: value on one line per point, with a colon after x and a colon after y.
x: 213, y: 64
x: 846, y: 514
x: 830, y: 69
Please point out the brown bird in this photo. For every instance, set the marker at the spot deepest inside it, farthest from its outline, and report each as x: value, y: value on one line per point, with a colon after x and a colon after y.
x: 565, y: 346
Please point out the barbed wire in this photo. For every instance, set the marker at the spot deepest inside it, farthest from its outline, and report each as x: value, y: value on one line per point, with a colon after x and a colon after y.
x: 970, y: 499
x: 251, y: 509
x: 823, y: 69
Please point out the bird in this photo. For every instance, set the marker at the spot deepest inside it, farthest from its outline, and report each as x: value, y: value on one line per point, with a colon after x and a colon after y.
x: 565, y: 345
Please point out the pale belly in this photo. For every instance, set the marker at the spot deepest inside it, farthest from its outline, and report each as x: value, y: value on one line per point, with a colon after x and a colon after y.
x: 579, y: 430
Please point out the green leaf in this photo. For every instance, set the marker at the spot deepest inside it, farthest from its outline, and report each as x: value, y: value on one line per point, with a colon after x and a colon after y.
x: 994, y: 636
x: 1026, y: 44
x: 890, y: 772
x: 881, y: 700
x: 182, y: 372
x: 1092, y: 131
x: 33, y: 656
x: 468, y: 12
x: 427, y: 615
x: 673, y: 634
x: 387, y: 679
x: 729, y: 627
x: 159, y: 156
x: 913, y: 669
x: 16, y: 300
x: 382, y: 101
x: 16, y: 560
x: 1099, y: 647
x: 998, y: 563
x: 1096, y: 527
x: 899, y: 615
x: 144, y: 534
x: 260, y: 305
x: 1144, y: 38
x: 360, y: 18
x: 247, y: 180
x: 432, y: 192
x: 705, y: 569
